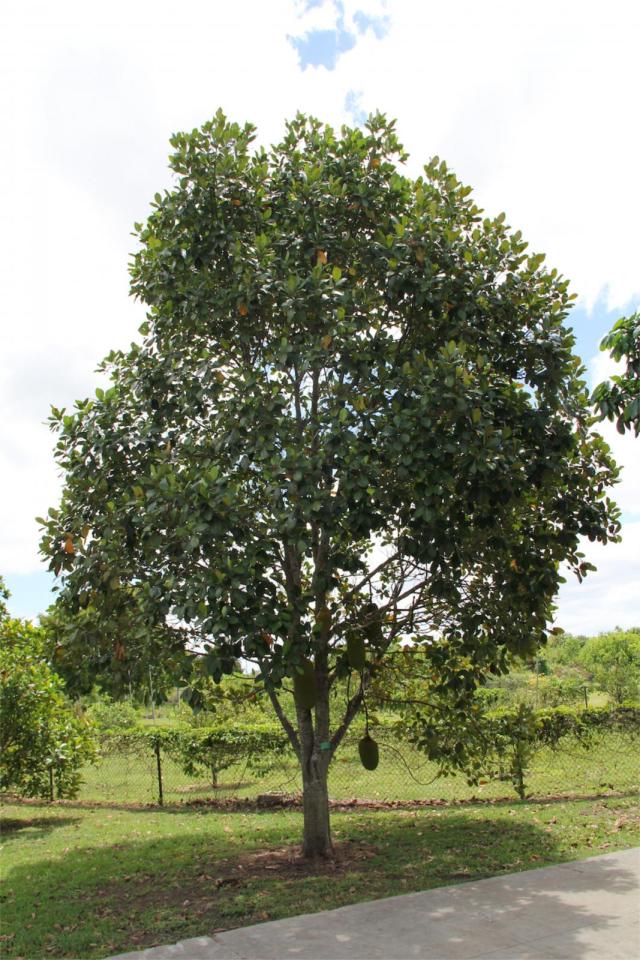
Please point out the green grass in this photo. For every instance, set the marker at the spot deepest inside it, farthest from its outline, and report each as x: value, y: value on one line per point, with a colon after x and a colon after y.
x: 89, y: 882
x: 613, y: 763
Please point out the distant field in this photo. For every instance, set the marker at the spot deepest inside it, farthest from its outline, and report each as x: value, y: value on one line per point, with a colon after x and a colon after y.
x: 404, y: 774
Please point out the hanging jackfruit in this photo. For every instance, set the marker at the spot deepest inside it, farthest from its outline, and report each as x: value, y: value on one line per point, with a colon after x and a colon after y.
x: 304, y: 686
x: 369, y: 753
x: 356, y: 650
x: 372, y: 626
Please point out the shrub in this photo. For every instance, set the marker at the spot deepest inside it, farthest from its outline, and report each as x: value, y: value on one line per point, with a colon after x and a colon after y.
x: 113, y: 715
x: 43, y: 741
x: 213, y: 748
x: 502, y: 743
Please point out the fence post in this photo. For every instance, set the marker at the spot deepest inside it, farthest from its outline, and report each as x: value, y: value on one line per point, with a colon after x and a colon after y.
x: 156, y: 748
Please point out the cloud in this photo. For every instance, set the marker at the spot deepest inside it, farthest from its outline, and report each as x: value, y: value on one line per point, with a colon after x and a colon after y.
x: 608, y: 597
x: 378, y: 25
x: 531, y: 105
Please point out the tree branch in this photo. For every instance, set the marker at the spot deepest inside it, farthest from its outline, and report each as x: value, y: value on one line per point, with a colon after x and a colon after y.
x: 286, y: 723
x: 353, y: 706
x: 372, y: 574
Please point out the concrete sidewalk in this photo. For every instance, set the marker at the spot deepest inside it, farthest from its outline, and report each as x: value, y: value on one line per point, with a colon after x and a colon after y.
x: 587, y: 910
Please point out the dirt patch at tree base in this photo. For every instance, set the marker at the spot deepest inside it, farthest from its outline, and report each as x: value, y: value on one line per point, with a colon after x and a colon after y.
x: 198, y: 892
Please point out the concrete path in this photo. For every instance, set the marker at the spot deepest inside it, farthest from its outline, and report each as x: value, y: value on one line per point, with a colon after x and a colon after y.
x: 587, y: 910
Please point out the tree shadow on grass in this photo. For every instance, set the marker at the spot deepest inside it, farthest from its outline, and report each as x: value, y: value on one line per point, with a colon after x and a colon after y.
x: 139, y: 893
x: 34, y: 828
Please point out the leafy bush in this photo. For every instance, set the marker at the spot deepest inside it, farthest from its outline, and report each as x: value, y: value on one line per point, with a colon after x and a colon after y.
x: 213, y: 748
x: 235, y: 697
x: 113, y: 715
x: 43, y: 741
x: 501, y: 744
x: 567, y: 689
x: 492, y: 697
x: 565, y: 686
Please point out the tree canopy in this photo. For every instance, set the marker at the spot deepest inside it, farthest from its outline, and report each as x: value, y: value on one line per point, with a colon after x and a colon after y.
x: 354, y: 418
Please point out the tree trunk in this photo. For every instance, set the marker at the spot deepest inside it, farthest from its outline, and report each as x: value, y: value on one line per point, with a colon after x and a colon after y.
x: 314, y: 761
x: 315, y: 802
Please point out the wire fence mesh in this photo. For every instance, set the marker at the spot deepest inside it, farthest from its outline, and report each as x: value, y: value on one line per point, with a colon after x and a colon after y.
x: 611, y: 763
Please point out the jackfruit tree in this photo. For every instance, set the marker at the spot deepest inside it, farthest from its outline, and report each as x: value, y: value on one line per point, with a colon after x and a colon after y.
x: 354, y: 419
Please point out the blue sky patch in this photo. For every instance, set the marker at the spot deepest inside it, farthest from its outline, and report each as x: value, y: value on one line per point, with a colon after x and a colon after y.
x: 354, y: 108
x: 31, y: 593
x: 379, y: 25
x: 590, y: 326
x: 323, y: 48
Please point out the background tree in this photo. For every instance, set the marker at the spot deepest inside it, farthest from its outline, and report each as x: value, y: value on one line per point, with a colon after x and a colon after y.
x: 613, y: 659
x: 564, y: 649
x: 619, y: 398
x: 355, y: 417
x: 43, y: 741
x: 114, y: 649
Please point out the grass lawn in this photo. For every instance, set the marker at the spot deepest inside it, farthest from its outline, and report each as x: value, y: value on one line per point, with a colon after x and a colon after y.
x: 88, y: 882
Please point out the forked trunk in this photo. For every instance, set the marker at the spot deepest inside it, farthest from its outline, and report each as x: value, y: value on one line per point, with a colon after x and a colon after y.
x: 315, y: 802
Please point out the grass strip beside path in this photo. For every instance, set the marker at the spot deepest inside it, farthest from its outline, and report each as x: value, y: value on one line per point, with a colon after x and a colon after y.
x: 92, y: 882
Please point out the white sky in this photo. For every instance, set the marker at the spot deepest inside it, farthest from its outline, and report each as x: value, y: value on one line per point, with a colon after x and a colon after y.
x: 534, y: 104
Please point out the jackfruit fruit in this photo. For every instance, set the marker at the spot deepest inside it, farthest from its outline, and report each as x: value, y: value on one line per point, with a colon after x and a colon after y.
x: 369, y: 753
x: 304, y: 686
x: 356, y: 651
x: 373, y: 628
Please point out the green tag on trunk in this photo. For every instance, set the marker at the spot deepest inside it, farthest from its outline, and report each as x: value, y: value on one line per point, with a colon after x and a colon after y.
x: 325, y: 745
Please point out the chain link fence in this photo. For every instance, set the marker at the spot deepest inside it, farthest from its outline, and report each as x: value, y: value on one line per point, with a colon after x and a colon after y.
x: 611, y: 763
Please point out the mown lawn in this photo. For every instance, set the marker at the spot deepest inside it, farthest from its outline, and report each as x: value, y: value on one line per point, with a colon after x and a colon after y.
x: 89, y: 882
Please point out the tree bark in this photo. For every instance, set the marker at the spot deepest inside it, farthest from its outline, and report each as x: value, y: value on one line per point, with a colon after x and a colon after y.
x: 315, y: 757
x: 315, y: 802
